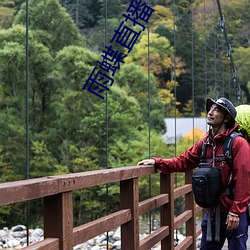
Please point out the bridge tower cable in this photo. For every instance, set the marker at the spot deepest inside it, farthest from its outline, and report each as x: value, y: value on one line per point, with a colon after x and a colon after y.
x: 27, y: 204
x: 175, y: 95
x: 205, y: 48
x: 149, y: 123
x: 216, y: 91
x: 236, y: 82
x: 192, y: 71
x: 106, y: 116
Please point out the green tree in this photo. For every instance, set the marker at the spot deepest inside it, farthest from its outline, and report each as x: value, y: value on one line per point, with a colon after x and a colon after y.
x: 53, y: 25
x: 6, y: 17
x: 242, y: 64
x: 84, y: 13
x: 132, y: 78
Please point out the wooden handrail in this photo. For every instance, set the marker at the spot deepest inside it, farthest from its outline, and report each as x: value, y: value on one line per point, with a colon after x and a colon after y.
x: 56, y: 191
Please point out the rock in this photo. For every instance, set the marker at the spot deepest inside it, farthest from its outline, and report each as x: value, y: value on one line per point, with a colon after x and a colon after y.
x: 111, y: 233
x: 18, y: 234
x: 100, y: 238
x: 81, y: 246
x: 23, y: 240
x: 16, y: 238
x: 117, y: 234
x: 13, y: 243
x: 3, y: 233
x: 18, y: 228
x: 91, y: 242
x: 117, y: 245
x: 38, y: 232
x: 103, y: 243
x: 111, y: 239
x: 18, y: 247
x: 95, y: 248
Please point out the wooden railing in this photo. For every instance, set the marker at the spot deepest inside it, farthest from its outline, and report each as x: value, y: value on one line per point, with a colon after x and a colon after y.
x: 59, y: 232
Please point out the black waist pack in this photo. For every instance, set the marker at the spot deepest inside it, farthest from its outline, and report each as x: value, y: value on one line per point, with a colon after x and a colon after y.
x: 206, y: 183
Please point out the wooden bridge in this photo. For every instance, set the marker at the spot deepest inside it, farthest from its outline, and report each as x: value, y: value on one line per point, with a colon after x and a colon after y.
x: 56, y: 192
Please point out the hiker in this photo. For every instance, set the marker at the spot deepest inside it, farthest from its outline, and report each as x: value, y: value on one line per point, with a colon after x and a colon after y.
x: 221, y: 115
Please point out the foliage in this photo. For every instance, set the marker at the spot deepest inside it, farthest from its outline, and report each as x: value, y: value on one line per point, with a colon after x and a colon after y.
x: 73, y: 130
x: 53, y: 25
x: 84, y: 13
x: 6, y: 17
x: 132, y: 78
x: 242, y: 63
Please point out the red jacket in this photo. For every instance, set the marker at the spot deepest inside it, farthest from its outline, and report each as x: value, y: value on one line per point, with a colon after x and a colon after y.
x: 241, y: 167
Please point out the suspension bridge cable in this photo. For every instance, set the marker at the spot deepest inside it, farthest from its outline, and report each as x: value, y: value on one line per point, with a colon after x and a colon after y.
x: 149, y: 122
x: 229, y: 53
x: 106, y: 115
x: 174, y: 72
x: 222, y: 68
x: 205, y: 49
x: 215, y: 52
x: 27, y: 207
x: 229, y: 84
x: 192, y: 73
x: 175, y: 95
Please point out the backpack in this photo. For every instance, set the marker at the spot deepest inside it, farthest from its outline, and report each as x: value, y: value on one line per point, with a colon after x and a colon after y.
x: 243, y: 120
x: 206, y: 179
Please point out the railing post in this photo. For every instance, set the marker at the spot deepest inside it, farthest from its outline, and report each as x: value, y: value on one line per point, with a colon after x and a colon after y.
x: 58, y: 219
x: 190, y: 205
x: 167, y: 210
x: 129, y: 198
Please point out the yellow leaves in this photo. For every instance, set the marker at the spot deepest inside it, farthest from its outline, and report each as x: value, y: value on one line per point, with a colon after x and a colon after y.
x: 166, y: 96
x: 160, y: 53
x: 188, y: 109
x: 195, y: 134
x: 189, y: 139
x: 162, y: 17
x: 171, y: 85
x: 179, y: 66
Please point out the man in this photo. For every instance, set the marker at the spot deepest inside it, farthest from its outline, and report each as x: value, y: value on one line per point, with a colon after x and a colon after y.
x: 221, y: 115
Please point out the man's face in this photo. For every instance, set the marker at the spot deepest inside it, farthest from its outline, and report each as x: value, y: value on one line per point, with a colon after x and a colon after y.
x: 215, y: 116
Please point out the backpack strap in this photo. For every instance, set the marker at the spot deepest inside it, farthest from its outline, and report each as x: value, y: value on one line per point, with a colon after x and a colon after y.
x: 203, y: 152
x: 227, y: 151
x: 227, y: 148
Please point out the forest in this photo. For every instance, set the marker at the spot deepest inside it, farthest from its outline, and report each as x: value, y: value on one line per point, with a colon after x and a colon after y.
x: 179, y: 60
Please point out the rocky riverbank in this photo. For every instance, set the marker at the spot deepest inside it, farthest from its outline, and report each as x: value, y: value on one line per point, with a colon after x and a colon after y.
x: 16, y: 238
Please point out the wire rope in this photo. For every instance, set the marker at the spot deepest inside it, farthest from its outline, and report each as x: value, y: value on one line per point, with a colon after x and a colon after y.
x: 222, y: 68
x: 175, y: 95
x: 106, y: 117
x: 236, y: 82
x: 192, y: 73
x: 149, y: 122
x: 205, y: 49
x: 215, y: 51
x: 27, y: 207
x: 174, y: 73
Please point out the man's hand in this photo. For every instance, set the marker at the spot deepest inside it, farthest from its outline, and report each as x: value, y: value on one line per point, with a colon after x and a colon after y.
x: 146, y: 162
x: 232, y: 221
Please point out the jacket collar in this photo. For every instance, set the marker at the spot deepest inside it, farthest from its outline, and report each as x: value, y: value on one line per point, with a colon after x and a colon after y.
x: 221, y: 136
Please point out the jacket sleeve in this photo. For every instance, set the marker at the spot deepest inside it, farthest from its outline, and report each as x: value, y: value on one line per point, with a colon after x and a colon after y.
x: 185, y: 162
x: 241, y: 175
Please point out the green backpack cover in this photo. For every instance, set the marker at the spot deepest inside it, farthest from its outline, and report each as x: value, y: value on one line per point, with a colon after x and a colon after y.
x: 243, y: 119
